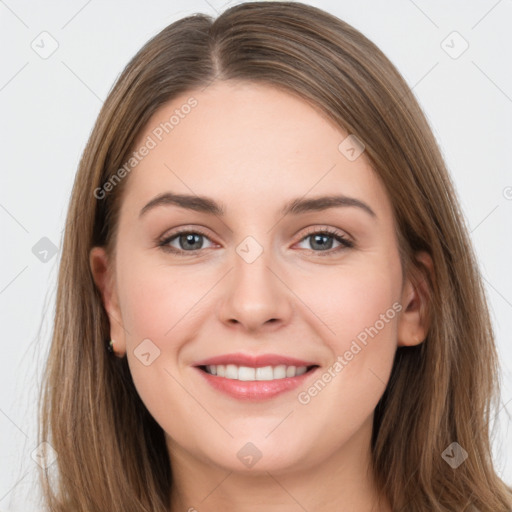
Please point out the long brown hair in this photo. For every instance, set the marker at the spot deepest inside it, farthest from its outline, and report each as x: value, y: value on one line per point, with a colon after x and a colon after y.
x: 111, y: 452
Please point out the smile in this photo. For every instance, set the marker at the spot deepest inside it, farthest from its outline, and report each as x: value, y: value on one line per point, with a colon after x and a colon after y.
x: 255, y: 383
x: 247, y: 373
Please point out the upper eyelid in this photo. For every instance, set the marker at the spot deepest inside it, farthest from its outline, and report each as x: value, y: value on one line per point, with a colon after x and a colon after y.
x: 310, y: 230
x: 181, y: 231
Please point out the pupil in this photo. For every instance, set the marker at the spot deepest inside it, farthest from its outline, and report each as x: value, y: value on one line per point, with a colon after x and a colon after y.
x: 190, y: 240
x: 322, y: 237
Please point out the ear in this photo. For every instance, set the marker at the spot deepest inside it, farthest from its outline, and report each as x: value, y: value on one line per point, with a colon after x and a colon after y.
x: 414, y: 320
x: 103, y: 275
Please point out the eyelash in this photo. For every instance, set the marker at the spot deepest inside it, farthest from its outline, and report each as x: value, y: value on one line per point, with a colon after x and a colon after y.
x: 345, y: 242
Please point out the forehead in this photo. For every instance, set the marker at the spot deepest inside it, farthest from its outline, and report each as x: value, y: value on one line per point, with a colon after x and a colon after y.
x: 242, y: 139
x: 233, y: 118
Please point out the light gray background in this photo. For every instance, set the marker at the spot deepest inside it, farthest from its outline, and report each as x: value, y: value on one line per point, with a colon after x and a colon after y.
x: 48, y: 107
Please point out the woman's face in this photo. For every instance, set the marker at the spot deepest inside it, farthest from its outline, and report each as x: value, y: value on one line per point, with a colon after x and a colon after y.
x: 255, y: 274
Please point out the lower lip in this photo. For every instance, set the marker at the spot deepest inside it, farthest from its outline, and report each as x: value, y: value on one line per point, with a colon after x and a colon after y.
x: 255, y: 389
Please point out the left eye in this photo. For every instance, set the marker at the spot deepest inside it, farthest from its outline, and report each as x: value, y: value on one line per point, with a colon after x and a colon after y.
x: 325, y: 239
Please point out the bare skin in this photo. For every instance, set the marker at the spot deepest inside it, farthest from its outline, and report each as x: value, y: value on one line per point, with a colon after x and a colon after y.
x: 253, y: 148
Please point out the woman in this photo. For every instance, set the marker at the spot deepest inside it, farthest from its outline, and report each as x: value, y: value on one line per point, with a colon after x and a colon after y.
x: 263, y: 231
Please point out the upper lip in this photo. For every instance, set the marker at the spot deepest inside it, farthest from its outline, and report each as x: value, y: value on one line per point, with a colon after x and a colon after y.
x: 255, y: 361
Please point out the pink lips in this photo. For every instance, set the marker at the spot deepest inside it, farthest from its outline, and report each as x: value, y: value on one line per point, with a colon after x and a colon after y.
x: 254, y: 361
x: 254, y: 390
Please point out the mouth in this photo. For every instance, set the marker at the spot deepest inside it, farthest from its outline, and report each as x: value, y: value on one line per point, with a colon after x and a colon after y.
x: 255, y: 384
x: 262, y: 373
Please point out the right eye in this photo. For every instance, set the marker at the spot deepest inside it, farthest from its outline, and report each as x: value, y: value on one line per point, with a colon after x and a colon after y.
x: 187, y: 241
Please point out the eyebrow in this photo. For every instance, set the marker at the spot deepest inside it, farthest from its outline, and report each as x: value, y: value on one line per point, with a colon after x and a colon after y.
x: 294, y: 207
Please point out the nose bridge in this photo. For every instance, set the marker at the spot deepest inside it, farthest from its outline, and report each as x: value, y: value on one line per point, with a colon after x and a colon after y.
x: 255, y: 295
x: 252, y: 265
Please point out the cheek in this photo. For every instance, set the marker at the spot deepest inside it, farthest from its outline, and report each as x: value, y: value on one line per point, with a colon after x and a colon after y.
x: 155, y: 299
x: 162, y: 309
x: 360, y: 306
x: 367, y: 311
x: 157, y: 306
x: 352, y: 299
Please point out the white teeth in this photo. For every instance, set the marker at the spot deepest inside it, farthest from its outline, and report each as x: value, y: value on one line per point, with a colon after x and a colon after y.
x: 247, y: 373
x: 280, y: 372
x: 264, y: 373
x: 290, y: 371
x: 231, y: 371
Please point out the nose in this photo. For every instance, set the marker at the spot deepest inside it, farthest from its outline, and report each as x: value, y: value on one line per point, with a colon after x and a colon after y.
x: 255, y: 295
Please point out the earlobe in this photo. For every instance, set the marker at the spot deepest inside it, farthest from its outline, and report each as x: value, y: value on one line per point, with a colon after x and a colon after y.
x: 102, y: 273
x: 414, y: 320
